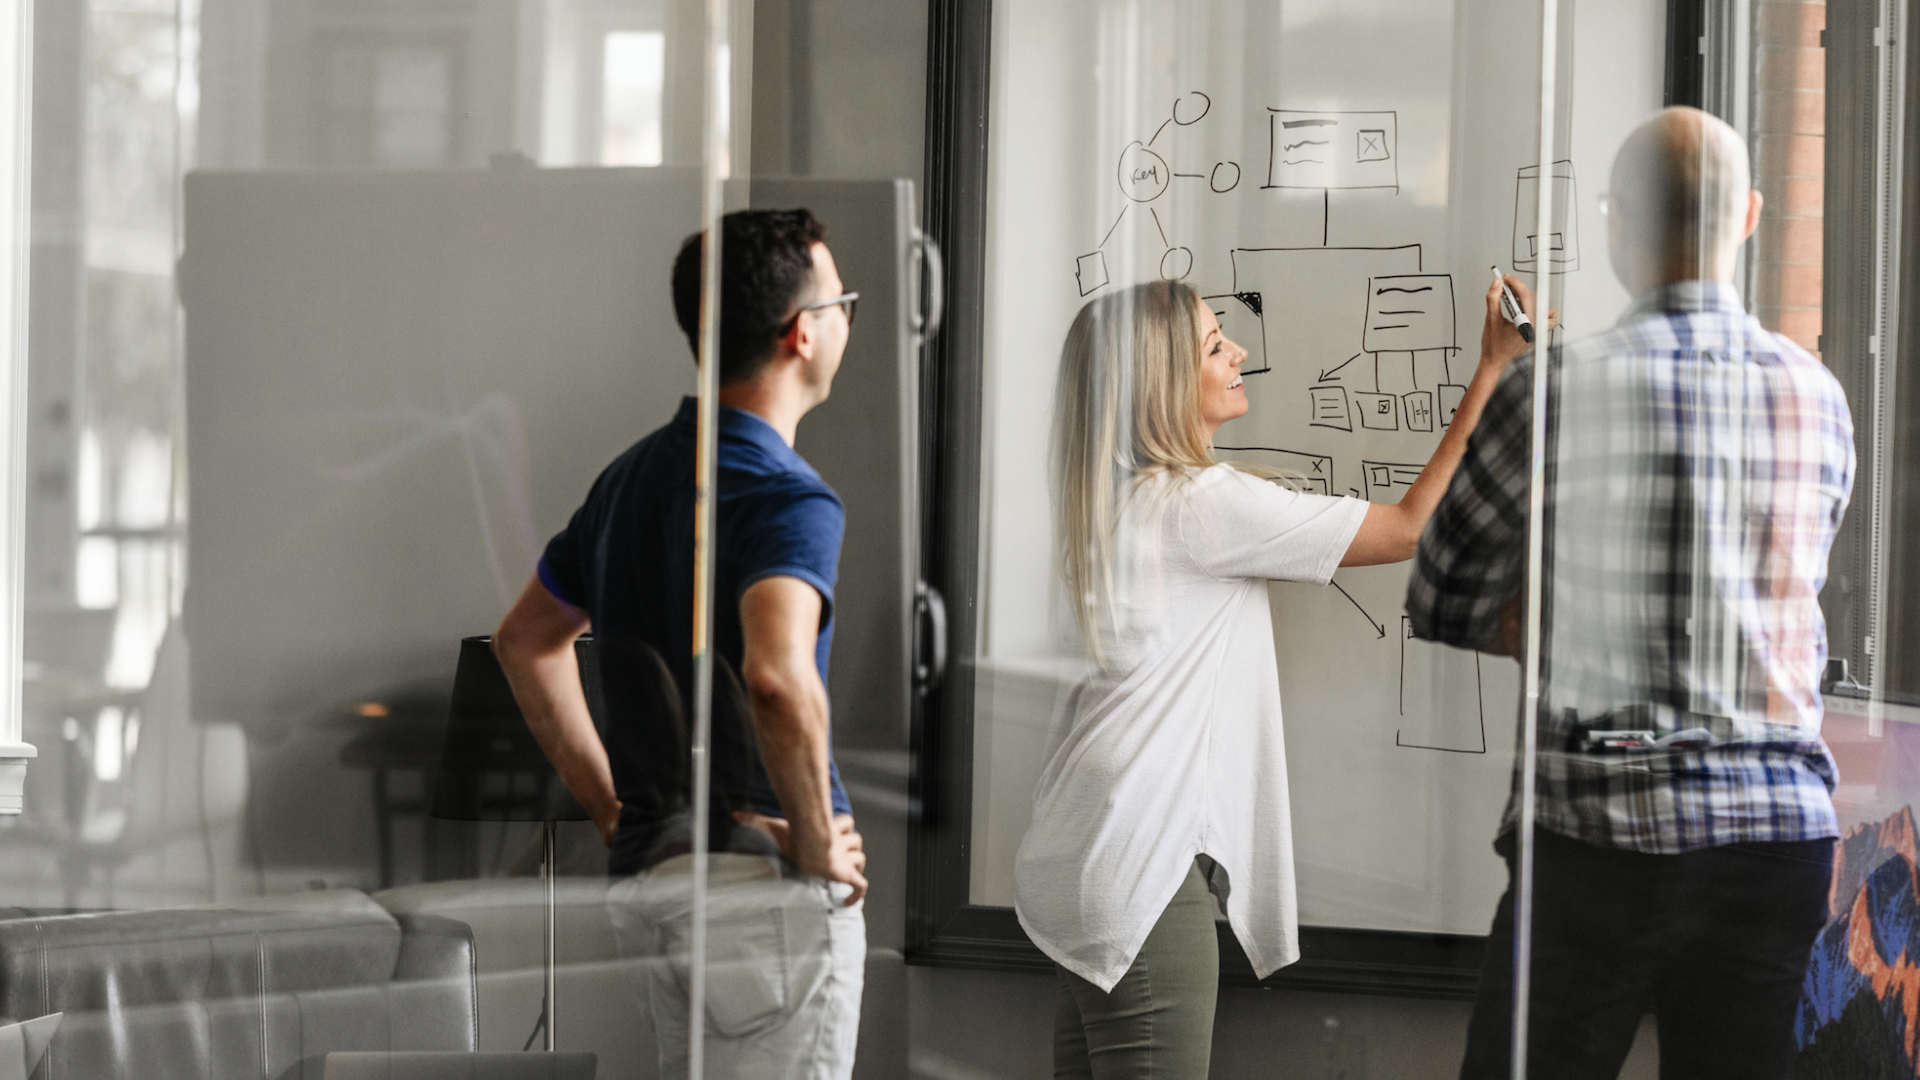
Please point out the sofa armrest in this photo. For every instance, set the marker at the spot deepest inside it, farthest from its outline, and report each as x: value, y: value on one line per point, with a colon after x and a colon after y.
x: 434, y: 983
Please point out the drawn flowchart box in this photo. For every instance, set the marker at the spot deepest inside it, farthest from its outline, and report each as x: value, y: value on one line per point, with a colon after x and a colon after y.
x: 1418, y: 409
x: 1243, y: 321
x: 1329, y: 408
x: 1090, y: 270
x: 1442, y: 697
x: 1331, y: 149
x: 1314, y: 471
x: 1563, y: 239
x: 1380, y: 412
x: 1409, y: 312
x: 1450, y: 397
x: 1385, y: 480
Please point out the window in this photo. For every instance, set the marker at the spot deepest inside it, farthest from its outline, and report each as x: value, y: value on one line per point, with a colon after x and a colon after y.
x: 633, y: 72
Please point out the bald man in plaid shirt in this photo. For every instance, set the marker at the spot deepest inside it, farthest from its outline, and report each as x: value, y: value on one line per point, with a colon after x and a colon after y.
x: 1697, y: 469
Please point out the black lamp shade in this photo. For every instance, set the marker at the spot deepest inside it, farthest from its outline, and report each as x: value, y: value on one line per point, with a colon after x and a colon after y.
x: 491, y: 767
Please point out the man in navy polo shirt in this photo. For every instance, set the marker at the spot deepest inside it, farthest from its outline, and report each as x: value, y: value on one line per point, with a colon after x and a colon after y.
x: 787, y: 951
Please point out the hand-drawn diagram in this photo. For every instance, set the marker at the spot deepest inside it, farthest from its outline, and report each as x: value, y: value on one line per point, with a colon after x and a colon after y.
x: 1317, y: 321
x: 1407, y: 332
x: 1329, y: 151
x: 1396, y: 379
x: 1563, y: 246
x: 1243, y: 320
x: 1385, y: 480
x: 1313, y: 471
x: 1144, y: 175
x: 1435, y: 669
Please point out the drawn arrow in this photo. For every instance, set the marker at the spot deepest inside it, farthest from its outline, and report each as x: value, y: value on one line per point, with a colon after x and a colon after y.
x: 1325, y: 375
x: 1378, y: 630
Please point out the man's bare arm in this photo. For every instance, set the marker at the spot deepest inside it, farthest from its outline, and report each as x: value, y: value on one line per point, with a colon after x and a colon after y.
x: 780, y: 620
x: 535, y: 647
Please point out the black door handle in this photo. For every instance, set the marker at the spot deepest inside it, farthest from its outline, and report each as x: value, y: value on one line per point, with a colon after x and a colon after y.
x: 930, y: 627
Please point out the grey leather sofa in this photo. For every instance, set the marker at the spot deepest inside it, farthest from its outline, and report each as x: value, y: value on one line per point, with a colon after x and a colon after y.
x: 597, y: 1008
x: 259, y: 990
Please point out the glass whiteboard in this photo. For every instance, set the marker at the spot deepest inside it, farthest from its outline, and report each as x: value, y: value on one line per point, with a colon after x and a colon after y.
x: 1336, y: 178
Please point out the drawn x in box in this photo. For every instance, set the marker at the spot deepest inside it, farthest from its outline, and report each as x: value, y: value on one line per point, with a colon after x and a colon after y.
x: 1346, y: 150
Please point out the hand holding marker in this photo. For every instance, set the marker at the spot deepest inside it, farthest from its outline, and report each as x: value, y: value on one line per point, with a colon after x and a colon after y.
x: 1511, y: 308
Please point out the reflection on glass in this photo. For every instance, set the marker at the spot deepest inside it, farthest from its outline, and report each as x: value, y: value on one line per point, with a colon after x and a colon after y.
x: 411, y: 102
x: 1697, y: 469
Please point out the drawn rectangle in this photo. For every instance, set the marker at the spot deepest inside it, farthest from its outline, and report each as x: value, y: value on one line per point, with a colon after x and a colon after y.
x: 1450, y: 397
x: 1330, y: 408
x: 1430, y: 675
x: 1563, y: 253
x: 1243, y: 321
x: 1385, y: 480
x: 1316, y: 470
x: 1090, y: 271
x: 1331, y: 149
x: 1417, y: 407
x: 1409, y: 312
x: 1380, y: 412
x: 1559, y: 244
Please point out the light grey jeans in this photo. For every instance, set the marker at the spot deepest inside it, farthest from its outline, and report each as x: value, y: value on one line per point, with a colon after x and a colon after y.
x: 786, y: 960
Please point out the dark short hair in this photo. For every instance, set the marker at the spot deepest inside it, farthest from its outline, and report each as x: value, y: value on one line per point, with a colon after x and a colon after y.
x: 766, y: 262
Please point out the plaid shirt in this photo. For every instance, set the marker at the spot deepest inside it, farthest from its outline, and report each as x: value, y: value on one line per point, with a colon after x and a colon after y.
x: 1697, y: 470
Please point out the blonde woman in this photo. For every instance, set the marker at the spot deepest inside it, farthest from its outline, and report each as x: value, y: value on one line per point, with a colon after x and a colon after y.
x: 1165, y: 779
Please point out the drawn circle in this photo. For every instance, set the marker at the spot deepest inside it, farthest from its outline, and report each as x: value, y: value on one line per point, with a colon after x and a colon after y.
x: 1177, y: 263
x: 1233, y: 180
x: 1143, y: 174
x: 1205, y: 104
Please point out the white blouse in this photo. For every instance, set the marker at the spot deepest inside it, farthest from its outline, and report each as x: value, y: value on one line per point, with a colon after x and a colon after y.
x: 1173, y: 748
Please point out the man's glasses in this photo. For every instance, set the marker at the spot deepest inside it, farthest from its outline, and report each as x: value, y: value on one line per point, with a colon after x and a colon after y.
x: 844, y: 300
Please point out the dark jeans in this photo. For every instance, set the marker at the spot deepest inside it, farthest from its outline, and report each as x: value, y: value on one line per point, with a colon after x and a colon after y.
x: 1715, y: 942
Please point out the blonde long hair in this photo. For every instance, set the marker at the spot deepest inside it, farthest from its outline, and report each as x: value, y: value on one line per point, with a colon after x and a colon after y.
x: 1126, y: 408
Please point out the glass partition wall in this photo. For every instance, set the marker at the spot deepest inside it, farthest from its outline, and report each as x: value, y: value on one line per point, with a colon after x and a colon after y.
x: 337, y: 310
x: 1652, y: 631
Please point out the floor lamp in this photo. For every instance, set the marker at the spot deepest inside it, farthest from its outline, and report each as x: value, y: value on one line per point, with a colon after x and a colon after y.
x: 491, y: 769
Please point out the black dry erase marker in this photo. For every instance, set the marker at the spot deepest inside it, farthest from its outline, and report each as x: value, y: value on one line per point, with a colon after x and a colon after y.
x: 1511, y: 308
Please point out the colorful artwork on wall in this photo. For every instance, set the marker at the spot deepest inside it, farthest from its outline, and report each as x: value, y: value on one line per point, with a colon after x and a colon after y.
x: 1859, y: 1010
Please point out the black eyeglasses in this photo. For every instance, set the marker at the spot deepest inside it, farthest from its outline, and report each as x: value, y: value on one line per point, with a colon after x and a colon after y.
x: 846, y: 300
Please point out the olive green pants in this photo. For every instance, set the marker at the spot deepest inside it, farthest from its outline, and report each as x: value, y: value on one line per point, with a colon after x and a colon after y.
x: 1157, y: 1024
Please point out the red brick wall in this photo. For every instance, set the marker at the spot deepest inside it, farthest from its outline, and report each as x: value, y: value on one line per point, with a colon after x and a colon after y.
x: 1789, y: 137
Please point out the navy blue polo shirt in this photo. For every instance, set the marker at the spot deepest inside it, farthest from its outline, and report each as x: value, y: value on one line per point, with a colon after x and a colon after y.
x: 626, y: 558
